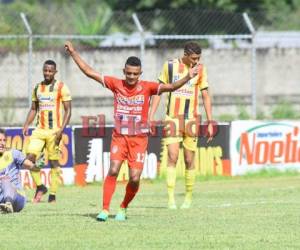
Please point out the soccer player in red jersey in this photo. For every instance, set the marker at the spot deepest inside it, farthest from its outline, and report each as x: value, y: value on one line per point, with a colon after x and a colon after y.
x: 130, y: 135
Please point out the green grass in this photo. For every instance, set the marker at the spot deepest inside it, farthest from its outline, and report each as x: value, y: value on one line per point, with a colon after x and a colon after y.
x: 241, y: 213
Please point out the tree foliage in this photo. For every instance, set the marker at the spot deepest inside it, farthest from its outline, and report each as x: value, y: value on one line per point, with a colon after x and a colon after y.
x: 98, y: 17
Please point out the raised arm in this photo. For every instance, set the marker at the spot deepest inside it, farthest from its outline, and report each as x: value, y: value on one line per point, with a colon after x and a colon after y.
x: 83, y: 66
x: 170, y: 87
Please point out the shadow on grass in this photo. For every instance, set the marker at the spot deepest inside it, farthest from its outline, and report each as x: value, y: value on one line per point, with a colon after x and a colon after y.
x: 150, y: 207
x: 94, y: 216
x: 36, y: 203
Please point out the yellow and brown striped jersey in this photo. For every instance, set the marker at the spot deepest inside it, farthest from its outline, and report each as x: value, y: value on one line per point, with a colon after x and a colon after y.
x: 183, y: 101
x: 50, y: 106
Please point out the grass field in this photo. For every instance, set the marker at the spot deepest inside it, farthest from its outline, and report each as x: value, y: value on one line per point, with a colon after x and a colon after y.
x: 247, y: 213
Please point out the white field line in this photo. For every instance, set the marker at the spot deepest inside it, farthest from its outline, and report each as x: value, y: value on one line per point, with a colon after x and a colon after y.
x: 264, y: 189
x: 246, y: 204
x: 253, y: 203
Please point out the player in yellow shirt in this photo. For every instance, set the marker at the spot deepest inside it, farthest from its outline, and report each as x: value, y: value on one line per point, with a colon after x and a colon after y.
x: 182, y: 105
x: 49, y: 98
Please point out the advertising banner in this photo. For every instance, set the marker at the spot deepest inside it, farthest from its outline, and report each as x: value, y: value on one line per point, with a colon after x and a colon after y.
x: 15, y: 139
x: 92, y: 155
x: 256, y: 145
x: 211, y: 158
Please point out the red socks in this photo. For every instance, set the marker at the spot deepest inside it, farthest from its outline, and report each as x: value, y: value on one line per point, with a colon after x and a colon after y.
x: 109, y: 187
x: 131, y: 190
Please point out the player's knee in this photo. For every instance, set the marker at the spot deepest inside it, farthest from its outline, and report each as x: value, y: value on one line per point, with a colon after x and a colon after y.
x: 114, y: 168
x: 53, y: 163
x: 19, y: 203
x: 134, y: 180
x: 113, y: 171
x: 172, y: 158
x: 189, y: 163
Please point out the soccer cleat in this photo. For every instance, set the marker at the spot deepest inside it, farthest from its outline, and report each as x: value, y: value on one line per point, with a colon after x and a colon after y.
x: 186, y: 205
x: 103, y: 215
x: 121, y: 215
x: 52, y: 198
x: 172, y: 206
x: 40, y: 191
x: 6, y: 208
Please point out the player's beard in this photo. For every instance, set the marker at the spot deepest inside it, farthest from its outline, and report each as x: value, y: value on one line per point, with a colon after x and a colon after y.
x: 48, y: 80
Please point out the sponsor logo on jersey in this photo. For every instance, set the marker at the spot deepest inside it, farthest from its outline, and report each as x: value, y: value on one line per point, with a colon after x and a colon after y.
x: 184, y: 92
x: 44, y: 98
x: 133, y: 100
x: 46, y: 106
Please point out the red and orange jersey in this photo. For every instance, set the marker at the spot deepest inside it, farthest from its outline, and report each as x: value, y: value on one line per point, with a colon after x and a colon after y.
x: 49, y: 98
x: 183, y: 101
x: 131, y: 104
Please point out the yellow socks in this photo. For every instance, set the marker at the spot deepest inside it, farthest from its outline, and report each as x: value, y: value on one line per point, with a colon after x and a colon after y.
x: 190, y: 176
x: 36, y: 176
x: 171, y: 180
x: 55, y: 180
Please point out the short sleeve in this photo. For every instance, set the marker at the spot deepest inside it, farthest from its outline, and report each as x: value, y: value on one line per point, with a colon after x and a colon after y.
x: 34, y: 97
x: 65, y: 94
x: 111, y: 82
x: 203, y: 84
x: 153, y: 87
x: 18, y: 157
x: 164, y: 75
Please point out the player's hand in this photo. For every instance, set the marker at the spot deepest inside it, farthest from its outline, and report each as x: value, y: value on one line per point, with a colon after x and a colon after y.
x: 25, y: 130
x: 69, y: 47
x: 193, y: 71
x: 210, y: 132
x: 152, y: 126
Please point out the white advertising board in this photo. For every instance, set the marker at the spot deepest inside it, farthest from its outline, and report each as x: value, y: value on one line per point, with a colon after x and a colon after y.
x: 255, y: 145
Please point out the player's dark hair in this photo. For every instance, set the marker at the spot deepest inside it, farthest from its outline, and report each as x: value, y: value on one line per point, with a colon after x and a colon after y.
x: 50, y: 62
x: 2, y: 131
x: 192, y: 48
x: 133, y: 61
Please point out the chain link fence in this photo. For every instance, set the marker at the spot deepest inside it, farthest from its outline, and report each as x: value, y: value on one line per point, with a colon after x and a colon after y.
x: 242, y: 70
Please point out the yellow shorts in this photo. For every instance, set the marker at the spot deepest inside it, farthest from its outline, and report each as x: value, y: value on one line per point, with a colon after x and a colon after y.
x: 43, y: 139
x: 181, y: 131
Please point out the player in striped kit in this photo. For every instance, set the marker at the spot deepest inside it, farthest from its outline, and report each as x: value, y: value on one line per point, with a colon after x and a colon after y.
x: 49, y: 99
x: 182, y: 105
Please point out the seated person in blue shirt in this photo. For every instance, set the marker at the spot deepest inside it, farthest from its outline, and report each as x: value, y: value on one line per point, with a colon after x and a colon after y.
x: 12, y: 197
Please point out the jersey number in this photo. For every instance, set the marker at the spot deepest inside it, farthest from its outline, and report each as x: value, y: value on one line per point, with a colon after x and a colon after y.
x: 140, y: 157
